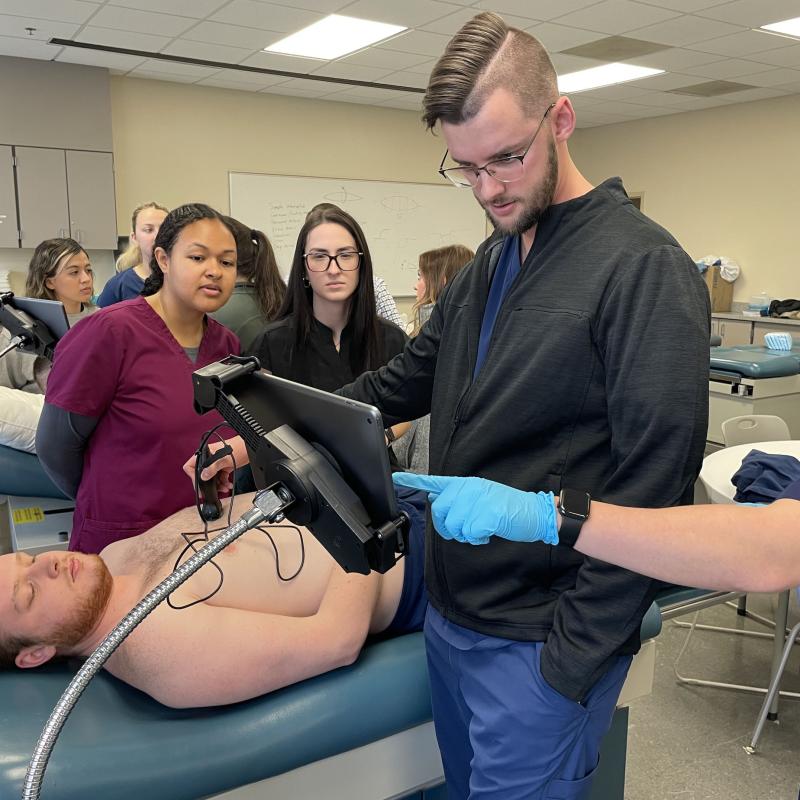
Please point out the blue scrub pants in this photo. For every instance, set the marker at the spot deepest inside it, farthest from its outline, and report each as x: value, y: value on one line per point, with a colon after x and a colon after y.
x: 503, y: 731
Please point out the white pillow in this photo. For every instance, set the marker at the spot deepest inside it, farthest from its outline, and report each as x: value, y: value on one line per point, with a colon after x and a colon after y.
x: 19, y: 416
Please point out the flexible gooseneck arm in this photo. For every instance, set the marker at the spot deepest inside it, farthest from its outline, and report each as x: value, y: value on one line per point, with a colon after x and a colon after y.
x: 268, y: 506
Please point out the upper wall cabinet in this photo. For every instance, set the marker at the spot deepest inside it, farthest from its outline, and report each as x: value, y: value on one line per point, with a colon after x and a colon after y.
x: 92, y: 211
x: 66, y: 193
x: 8, y: 200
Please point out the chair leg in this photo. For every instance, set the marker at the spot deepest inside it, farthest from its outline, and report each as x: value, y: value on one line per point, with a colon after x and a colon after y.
x: 773, y: 690
x: 741, y: 608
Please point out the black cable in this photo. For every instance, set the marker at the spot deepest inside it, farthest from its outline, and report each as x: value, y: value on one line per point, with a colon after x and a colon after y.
x: 203, y: 535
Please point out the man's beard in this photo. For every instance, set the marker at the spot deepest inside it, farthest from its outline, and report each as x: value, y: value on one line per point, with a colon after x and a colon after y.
x: 537, y: 203
x: 87, y: 613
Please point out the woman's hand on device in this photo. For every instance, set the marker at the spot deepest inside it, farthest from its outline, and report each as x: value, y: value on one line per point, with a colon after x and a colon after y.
x: 222, y: 469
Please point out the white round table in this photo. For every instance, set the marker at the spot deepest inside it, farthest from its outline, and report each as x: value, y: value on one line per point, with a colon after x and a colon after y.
x: 719, y: 467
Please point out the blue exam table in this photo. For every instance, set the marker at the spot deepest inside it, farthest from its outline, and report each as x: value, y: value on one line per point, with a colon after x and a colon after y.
x: 363, y: 731
x: 751, y: 379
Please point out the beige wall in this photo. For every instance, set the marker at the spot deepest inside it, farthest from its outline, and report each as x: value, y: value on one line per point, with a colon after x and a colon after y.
x: 723, y: 181
x: 176, y: 143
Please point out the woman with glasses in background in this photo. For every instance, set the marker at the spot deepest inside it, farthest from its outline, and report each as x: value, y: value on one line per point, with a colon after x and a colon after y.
x: 328, y: 331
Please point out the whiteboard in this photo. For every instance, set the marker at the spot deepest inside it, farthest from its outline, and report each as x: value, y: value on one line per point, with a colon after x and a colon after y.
x: 400, y: 220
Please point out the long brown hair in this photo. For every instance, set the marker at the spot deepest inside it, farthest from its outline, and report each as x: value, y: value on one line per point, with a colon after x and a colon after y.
x: 298, y: 302
x: 255, y: 261
x: 437, y: 267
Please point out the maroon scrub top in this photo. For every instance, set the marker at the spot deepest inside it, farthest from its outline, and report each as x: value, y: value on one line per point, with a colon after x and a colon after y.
x: 124, y: 367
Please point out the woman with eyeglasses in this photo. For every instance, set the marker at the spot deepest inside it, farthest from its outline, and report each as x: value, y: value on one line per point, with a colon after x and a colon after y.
x: 328, y: 331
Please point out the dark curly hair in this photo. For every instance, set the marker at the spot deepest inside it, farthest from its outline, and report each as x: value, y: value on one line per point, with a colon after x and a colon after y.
x: 168, y: 233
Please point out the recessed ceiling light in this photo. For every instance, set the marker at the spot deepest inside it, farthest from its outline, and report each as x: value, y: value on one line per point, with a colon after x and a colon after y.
x: 789, y: 27
x: 605, y: 75
x: 334, y: 36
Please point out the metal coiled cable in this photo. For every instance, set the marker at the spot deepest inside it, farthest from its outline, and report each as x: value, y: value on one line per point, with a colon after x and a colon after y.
x: 269, y: 507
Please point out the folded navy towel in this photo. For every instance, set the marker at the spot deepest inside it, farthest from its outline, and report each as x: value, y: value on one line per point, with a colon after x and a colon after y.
x: 791, y: 492
x: 763, y: 477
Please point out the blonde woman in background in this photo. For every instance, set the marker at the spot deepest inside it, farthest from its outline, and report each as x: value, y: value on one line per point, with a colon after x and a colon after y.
x: 133, y: 266
x: 436, y: 268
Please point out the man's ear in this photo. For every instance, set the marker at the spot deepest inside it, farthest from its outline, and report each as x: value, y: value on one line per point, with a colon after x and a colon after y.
x: 563, y: 119
x: 34, y: 655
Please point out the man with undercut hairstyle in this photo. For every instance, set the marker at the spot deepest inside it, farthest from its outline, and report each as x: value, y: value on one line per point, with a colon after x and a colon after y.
x: 572, y: 352
x: 272, y: 608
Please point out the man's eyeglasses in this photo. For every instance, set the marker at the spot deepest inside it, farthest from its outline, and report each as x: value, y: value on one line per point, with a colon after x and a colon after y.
x: 506, y: 169
x: 319, y: 261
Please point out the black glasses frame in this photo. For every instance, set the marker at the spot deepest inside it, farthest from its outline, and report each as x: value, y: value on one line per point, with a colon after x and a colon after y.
x: 336, y: 259
x: 487, y: 166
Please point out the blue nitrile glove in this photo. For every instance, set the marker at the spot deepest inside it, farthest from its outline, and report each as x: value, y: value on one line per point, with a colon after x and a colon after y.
x: 472, y: 510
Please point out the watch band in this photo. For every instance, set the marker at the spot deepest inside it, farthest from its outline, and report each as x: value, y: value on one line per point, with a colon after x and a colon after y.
x: 390, y: 437
x: 574, y: 507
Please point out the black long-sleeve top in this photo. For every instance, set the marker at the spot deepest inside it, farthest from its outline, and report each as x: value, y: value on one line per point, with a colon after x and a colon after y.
x: 596, y: 378
x: 319, y: 363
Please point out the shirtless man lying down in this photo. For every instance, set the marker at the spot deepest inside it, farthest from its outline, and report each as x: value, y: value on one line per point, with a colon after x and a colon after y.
x: 256, y: 633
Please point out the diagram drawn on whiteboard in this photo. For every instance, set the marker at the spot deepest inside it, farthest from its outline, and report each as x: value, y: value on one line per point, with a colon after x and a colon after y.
x: 400, y: 203
x: 343, y: 196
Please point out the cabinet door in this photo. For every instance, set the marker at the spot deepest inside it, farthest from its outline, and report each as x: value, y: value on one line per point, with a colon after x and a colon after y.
x: 735, y: 331
x: 92, y: 211
x: 42, y: 188
x: 761, y: 329
x: 8, y: 200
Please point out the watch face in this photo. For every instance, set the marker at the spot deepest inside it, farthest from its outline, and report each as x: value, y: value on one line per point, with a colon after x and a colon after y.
x: 574, y: 503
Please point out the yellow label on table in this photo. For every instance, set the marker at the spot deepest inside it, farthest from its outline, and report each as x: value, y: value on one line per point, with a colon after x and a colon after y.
x: 23, y: 516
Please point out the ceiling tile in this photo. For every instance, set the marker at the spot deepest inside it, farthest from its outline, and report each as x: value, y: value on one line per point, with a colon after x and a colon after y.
x: 561, y: 37
x: 302, y: 88
x: 27, y: 48
x: 534, y: 9
x: 209, y: 52
x: 616, y: 16
x: 286, y: 63
x: 686, y: 6
x: 256, y: 80
x: 685, y: 30
x: 363, y: 93
x: 168, y: 77
x: 117, y: 38
x: 406, y: 78
x: 740, y: 44
x: 452, y: 22
x: 60, y: 11
x: 196, y: 9
x: 127, y: 19
x: 566, y: 63
x: 785, y: 57
x: 45, y: 28
x: 410, y: 13
x: 753, y: 13
x: 675, y: 59
x: 96, y: 58
x: 232, y: 35
x: 356, y: 72
x: 632, y: 91
x: 387, y: 59
x: 728, y: 68
x: 667, y: 81
x: 321, y: 6
x: 192, y: 71
x: 420, y: 42
x: 266, y: 16
x: 771, y: 77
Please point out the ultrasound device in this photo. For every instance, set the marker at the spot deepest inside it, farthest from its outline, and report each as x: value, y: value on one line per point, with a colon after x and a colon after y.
x: 328, y: 451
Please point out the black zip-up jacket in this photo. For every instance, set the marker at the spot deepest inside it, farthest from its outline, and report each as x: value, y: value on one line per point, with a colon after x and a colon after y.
x: 596, y: 378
